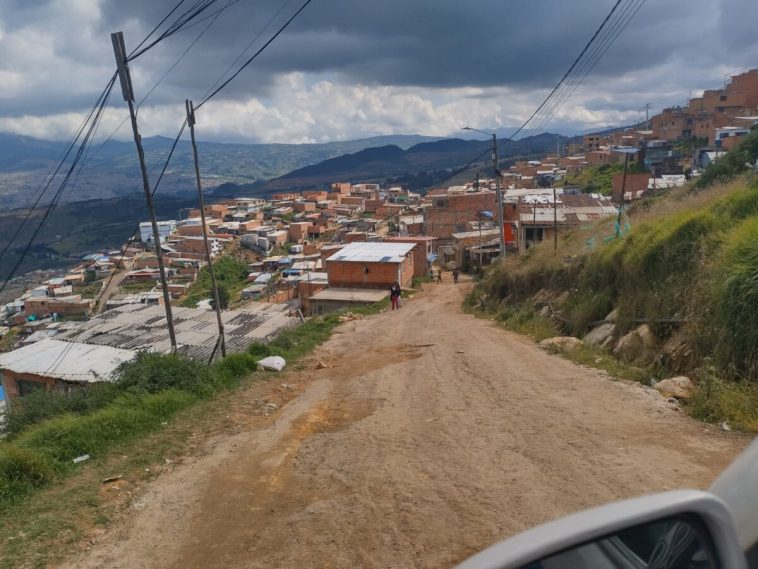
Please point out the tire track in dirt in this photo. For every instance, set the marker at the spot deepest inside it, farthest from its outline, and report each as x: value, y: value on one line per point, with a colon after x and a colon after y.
x: 429, y: 435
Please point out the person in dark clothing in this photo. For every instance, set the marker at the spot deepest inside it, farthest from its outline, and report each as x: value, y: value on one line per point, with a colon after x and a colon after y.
x: 439, y: 276
x: 395, y: 292
x: 455, y: 276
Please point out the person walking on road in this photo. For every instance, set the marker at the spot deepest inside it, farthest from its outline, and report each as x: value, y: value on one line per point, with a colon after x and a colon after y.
x: 439, y: 275
x: 455, y: 276
x: 395, y: 292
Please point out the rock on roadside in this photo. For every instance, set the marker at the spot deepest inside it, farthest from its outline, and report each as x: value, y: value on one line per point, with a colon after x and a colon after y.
x: 680, y: 387
x: 600, y: 335
x: 637, y: 346
x: 564, y: 343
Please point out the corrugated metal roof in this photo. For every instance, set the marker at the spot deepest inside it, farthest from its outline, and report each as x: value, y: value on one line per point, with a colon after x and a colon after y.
x: 70, y: 361
x: 373, y: 252
x: 140, y: 327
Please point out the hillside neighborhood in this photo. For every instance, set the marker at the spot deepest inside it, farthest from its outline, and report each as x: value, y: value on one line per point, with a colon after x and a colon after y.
x: 308, y: 253
x: 353, y: 285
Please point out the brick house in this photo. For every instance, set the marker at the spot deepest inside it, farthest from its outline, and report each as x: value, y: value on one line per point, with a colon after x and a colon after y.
x: 371, y: 265
x: 423, y: 253
x: 635, y: 187
x: 451, y: 212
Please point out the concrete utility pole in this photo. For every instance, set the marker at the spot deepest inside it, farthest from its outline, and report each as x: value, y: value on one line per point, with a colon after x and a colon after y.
x: 499, y: 193
x: 555, y: 221
x: 119, y: 50
x: 647, y: 115
x: 498, y: 189
x: 623, y: 190
x: 201, y: 201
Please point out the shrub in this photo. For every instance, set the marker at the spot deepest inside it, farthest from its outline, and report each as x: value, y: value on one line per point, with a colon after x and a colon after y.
x: 150, y: 372
x: 259, y: 351
x: 233, y: 367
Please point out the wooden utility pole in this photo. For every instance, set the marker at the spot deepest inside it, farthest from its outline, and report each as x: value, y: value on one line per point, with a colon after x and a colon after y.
x: 191, y: 122
x: 119, y: 50
x: 555, y: 222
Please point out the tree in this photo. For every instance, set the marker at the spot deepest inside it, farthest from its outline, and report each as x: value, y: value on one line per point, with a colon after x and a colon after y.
x: 223, y: 298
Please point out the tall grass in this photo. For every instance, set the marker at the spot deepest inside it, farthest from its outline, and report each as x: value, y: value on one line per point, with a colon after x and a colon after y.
x: 736, y: 301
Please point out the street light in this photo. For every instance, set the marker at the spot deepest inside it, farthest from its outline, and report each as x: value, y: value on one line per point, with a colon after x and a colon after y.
x: 498, y: 191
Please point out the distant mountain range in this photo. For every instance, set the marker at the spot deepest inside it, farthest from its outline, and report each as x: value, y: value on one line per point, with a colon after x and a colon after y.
x: 386, y: 163
x: 105, y: 203
x: 111, y: 169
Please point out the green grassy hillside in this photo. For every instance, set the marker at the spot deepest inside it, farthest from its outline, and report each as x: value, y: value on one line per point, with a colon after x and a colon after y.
x: 687, y: 266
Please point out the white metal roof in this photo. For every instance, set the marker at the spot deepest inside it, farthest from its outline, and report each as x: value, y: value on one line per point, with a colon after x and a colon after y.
x: 70, y: 361
x: 373, y: 252
x: 477, y: 233
x: 314, y: 277
x: 350, y: 294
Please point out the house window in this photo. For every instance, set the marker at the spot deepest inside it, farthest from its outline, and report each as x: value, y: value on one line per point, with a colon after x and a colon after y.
x: 26, y: 387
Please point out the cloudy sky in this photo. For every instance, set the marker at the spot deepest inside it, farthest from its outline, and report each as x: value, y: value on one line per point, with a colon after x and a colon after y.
x: 356, y: 68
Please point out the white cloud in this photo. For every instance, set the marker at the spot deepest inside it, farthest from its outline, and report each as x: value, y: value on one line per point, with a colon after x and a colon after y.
x: 302, y: 111
x: 55, y: 57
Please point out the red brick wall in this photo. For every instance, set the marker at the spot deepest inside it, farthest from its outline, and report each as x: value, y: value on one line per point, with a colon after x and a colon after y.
x: 451, y: 214
x: 379, y: 275
x: 304, y: 291
x: 11, y: 379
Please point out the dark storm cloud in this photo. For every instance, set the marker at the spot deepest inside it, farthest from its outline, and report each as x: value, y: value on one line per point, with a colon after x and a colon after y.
x: 432, y: 43
x: 507, y: 54
x: 443, y: 43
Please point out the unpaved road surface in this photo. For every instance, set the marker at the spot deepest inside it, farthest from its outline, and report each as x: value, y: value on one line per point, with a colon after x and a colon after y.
x: 429, y: 435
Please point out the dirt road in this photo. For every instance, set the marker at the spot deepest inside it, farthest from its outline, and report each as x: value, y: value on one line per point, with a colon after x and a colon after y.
x: 429, y: 435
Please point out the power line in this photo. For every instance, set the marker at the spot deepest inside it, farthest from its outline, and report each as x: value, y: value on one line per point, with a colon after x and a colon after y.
x: 570, y: 69
x: 247, y: 47
x: 179, y: 24
x: 87, y: 155
x: 616, y: 30
x: 610, y: 30
x: 183, y: 20
x: 99, y: 106
x: 254, y: 56
x: 184, y: 123
x: 62, y: 161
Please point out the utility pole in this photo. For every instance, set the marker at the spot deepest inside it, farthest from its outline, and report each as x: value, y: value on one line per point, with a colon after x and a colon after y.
x: 647, y: 115
x: 498, y: 189
x: 191, y: 122
x: 119, y: 50
x: 555, y: 222
x: 499, y: 193
x: 623, y: 192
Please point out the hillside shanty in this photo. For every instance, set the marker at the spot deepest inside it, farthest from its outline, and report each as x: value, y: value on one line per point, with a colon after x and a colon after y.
x: 58, y: 366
